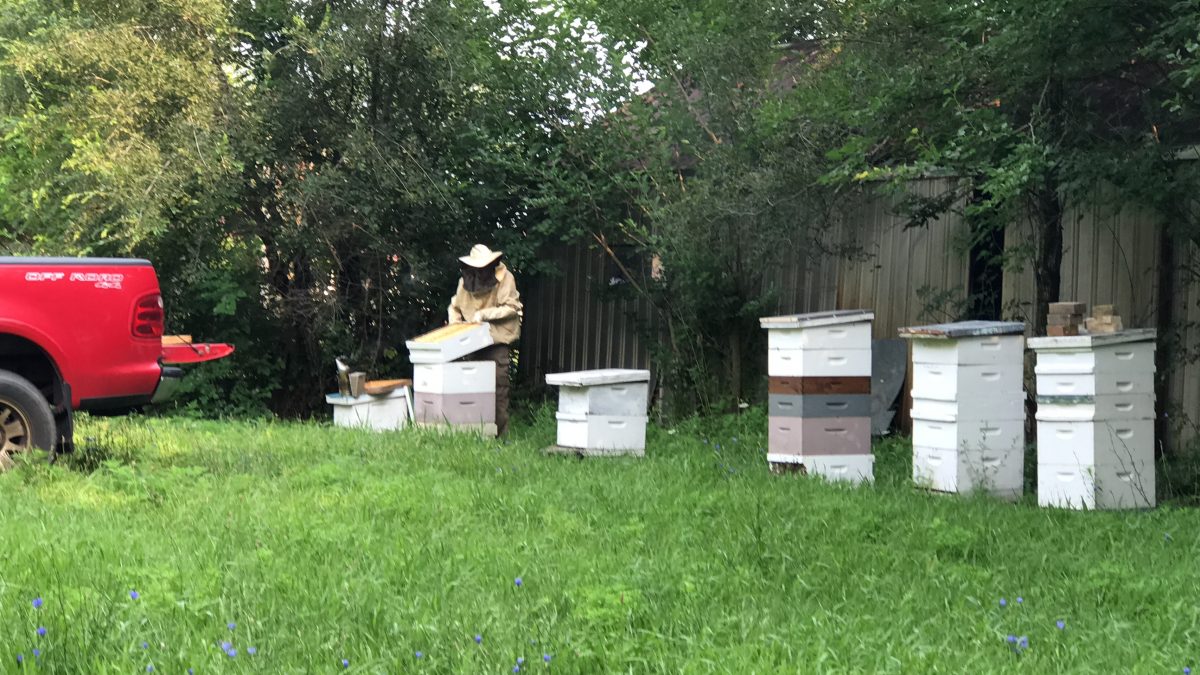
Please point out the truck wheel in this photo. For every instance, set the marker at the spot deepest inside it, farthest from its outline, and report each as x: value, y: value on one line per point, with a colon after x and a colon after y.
x: 25, y: 418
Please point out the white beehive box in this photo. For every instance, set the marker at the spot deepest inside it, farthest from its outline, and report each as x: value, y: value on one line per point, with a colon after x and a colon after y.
x: 449, y: 343
x: 613, y: 434
x: 388, y: 412
x: 977, y: 408
x: 612, y: 392
x: 970, y: 434
x: 844, y: 329
x: 854, y: 469
x: 1095, y: 442
x: 939, y: 382
x: 459, y: 377
x: 1096, y: 408
x: 986, y: 350
x: 1103, y: 486
x: 997, y: 472
x: 819, y: 362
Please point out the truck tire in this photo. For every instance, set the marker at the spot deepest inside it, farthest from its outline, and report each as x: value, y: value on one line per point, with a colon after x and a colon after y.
x: 25, y: 418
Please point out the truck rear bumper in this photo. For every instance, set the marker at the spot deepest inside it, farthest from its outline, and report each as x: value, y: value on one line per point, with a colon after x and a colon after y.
x: 168, y: 384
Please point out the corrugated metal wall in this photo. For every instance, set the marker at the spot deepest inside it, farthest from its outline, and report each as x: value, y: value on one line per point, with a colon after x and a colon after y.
x: 1111, y: 257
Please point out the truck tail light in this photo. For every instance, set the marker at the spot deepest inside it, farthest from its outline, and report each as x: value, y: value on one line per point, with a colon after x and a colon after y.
x: 148, y: 317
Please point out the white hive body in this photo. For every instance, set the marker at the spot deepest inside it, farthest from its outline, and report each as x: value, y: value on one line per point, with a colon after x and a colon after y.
x: 1095, y: 420
x: 602, y: 412
x: 968, y: 409
x: 452, y: 393
x: 389, y: 412
x: 819, y: 371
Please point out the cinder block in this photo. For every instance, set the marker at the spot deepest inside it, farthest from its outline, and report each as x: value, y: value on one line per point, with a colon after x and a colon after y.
x: 1068, y: 307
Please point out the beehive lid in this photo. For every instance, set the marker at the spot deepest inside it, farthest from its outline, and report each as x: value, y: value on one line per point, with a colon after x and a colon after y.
x: 591, y: 378
x: 963, y: 329
x: 449, y: 343
x: 445, y: 333
x: 815, y: 319
x: 1093, y: 340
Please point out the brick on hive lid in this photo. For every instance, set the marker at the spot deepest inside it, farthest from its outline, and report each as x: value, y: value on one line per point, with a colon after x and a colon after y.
x: 1101, y: 311
x: 1062, y: 331
x: 1064, y: 319
x: 1071, y: 307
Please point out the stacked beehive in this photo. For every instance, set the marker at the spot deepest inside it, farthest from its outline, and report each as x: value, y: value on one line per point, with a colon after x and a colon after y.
x: 819, y: 377
x: 602, y: 412
x: 1095, y: 420
x: 450, y: 393
x: 1065, y: 318
x: 968, y: 409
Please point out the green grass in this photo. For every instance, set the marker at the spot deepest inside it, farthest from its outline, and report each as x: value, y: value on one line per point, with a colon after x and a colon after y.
x: 323, y: 544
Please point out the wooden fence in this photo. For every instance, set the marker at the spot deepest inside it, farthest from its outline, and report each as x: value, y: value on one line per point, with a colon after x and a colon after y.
x: 1112, y: 256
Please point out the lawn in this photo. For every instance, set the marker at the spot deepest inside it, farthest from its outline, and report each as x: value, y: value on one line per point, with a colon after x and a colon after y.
x: 419, y: 553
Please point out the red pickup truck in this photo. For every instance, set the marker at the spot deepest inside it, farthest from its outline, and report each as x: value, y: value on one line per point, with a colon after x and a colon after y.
x: 81, y: 334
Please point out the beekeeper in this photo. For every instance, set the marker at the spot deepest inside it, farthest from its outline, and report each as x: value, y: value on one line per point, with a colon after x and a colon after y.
x: 488, y: 294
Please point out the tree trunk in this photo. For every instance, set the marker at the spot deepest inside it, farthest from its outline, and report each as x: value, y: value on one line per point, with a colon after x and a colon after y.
x: 1048, y: 265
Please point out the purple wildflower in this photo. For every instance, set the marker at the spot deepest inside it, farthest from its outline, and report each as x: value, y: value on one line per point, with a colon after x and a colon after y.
x: 518, y: 582
x: 1023, y: 642
x: 345, y: 663
x: 145, y: 645
x: 1061, y: 624
x: 478, y: 639
x: 516, y: 669
x: 232, y: 653
x: 20, y: 658
x: 41, y: 631
x: 134, y: 595
x: 546, y: 658
x: 37, y: 603
x: 37, y: 653
x: 1012, y: 639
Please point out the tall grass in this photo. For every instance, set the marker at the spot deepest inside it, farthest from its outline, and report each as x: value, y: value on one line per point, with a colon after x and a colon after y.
x: 322, y: 544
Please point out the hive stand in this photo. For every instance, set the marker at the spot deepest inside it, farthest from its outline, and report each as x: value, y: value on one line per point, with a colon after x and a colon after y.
x: 601, y: 412
x: 819, y: 381
x: 968, y: 409
x: 1095, y: 420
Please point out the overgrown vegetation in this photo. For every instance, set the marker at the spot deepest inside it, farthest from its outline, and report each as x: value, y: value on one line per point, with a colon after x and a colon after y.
x: 393, y: 551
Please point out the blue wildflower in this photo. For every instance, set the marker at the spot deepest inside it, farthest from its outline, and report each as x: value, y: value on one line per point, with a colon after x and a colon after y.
x: 478, y: 639
x: 1061, y: 624
x: 1003, y: 602
x: 1020, y: 600
x: 145, y: 645
x: 191, y: 672
x: 516, y: 669
x: 232, y: 653
x: 518, y: 582
x: 1012, y: 639
x: 37, y: 653
x: 134, y: 595
x: 149, y: 667
x: 41, y: 631
x: 1023, y: 642
x: 419, y: 655
x: 251, y: 650
x: 37, y: 603
x: 520, y: 660
x: 1187, y: 671
x: 20, y: 658
x: 546, y: 658
x: 345, y: 663
x: 232, y: 625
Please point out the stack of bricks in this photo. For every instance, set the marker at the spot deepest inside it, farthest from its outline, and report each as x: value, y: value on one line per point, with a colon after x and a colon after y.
x: 968, y: 407
x: 1104, y: 320
x: 1065, y: 318
x: 1095, y: 420
x: 449, y: 393
x: 819, y: 370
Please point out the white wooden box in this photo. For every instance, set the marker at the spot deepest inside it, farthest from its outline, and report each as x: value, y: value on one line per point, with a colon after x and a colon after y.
x: 1127, y: 357
x: 449, y: 343
x: 1099, y: 384
x: 987, y: 350
x: 819, y: 362
x: 851, y: 468
x: 1008, y: 407
x: 1096, y: 442
x: 1104, y: 486
x: 997, y: 472
x: 842, y: 329
x: 379, y: 413
x: 602, y: 432
x: 969, y: 434
x: 958, y: 383
x: 1089, y: 408
x: 613, y: 392
x: 459, y: 377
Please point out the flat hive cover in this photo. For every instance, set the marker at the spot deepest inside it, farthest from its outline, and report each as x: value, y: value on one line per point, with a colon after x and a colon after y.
x: 963, y: 329
x: 814, y: 319
x: 1092, y: 339
x: 590, y: 378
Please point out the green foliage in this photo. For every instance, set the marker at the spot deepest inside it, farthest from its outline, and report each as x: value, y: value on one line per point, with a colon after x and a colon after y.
x: 324, y: 544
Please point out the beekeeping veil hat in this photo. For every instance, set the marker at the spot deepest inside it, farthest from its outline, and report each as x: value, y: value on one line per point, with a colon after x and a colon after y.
x: 481, y: 256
